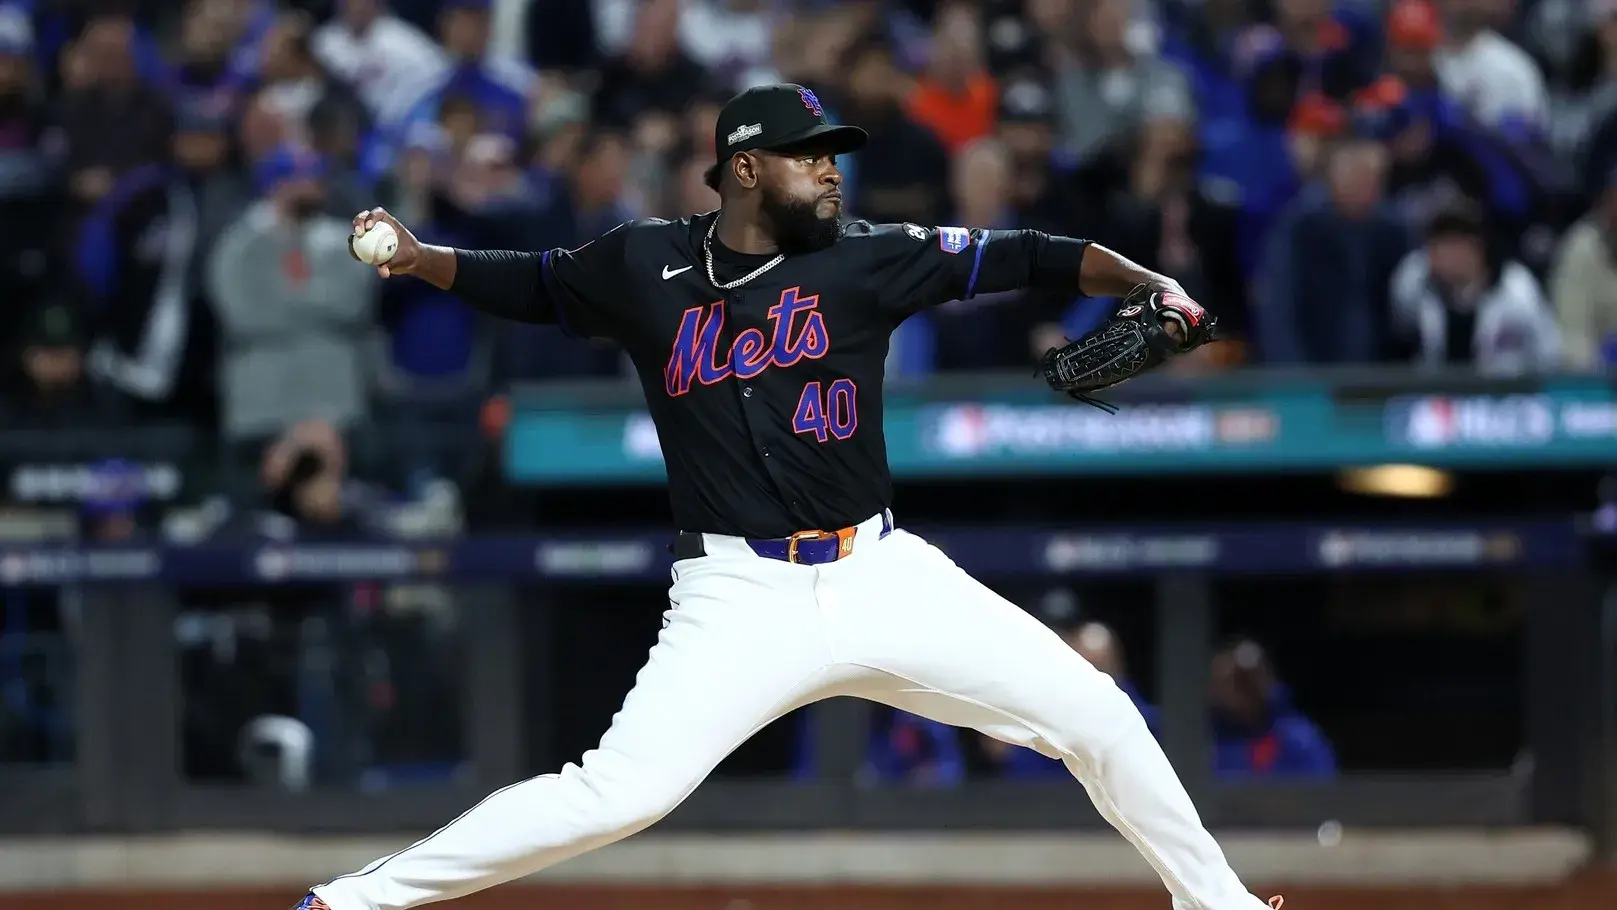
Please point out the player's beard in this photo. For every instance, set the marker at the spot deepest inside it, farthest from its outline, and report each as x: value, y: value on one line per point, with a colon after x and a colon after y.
x: 797, y: 227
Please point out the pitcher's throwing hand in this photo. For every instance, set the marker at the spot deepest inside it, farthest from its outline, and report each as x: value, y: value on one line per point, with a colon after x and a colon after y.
x: 404, y: 259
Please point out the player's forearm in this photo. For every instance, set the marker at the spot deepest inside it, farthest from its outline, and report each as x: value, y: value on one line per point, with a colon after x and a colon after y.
x: 1105, y: 273
x: 436, y: 266
x: 501, y: 283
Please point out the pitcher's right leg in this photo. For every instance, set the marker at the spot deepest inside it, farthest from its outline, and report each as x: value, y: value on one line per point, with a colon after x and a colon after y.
x: 743, y: 646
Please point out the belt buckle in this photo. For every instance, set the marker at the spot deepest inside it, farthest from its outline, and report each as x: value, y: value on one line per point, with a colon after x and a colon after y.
x: 792, y: 541
x: 843, y: 537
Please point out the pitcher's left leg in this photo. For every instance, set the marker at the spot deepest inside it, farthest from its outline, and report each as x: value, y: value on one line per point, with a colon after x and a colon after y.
x: 907, y: 610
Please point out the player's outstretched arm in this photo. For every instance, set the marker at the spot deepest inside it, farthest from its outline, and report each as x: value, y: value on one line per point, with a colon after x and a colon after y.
x: 501, y: 283
x: 1105, y: 273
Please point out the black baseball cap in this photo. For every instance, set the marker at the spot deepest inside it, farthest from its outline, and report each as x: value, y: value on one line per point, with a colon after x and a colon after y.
x: 773, y: 117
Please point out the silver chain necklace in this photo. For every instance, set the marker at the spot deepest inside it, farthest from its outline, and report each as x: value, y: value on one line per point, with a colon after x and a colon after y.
x: 707, y: 255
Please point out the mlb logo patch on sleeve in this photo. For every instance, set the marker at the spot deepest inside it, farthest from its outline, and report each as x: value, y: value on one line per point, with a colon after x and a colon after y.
x: 953, y: 239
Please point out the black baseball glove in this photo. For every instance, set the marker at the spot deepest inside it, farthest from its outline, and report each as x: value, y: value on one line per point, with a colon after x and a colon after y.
x: 1127, y: 344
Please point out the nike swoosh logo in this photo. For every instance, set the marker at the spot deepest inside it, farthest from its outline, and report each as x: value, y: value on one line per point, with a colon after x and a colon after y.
x: 669, y: 273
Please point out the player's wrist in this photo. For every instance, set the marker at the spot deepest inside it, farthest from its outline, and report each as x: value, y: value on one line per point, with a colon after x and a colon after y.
x: 1166, y: 285
x: 435, y: 265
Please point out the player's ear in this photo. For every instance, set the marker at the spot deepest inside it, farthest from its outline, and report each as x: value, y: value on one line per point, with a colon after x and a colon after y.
x: 746, y: 169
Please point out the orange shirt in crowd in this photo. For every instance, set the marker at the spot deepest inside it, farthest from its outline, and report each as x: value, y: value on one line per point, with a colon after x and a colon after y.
x: 956, y: 118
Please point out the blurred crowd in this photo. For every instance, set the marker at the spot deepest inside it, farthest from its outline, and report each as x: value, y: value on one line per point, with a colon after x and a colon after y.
x: 1257, y: 731
x: 1428, y: 181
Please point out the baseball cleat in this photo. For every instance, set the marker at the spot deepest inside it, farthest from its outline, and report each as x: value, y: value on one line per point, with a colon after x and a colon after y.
x: 310, y: 902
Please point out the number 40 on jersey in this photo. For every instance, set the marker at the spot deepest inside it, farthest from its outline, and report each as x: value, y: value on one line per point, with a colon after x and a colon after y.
x: 831, y: 413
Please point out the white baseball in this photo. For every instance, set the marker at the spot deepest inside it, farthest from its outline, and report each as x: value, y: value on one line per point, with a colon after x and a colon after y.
x: 377, y: 245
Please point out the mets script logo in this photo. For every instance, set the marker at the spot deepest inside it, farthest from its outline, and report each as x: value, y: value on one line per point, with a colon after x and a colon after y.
x: 696, y: 355
x: 811, y: 102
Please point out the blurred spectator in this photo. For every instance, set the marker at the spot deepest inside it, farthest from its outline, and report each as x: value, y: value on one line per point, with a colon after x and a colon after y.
x: 1257, y: 731
x: 599, y: 184
x: 1487, y: 73
x: 647, y: 86
x: 294, y: 308
x: 1589, y: 95
x: 46, y: 385
x: 1583, y: 284
x: 386, y: 60
x: 431, y: 334
x: 112, y: 121
x: 111, y: 506
x: 217, y: 57
x: 1106, y: 90
x: 1097, y: 643
x: 1414, y: 35
x: 1207, y: 43
x: 731, y: 39
x: 261, y: 129
x: 497, y: 87
x: 590, y: 203
x: 915, y: 751
x: 139, y: 267
x: 301, y: 91
x: 701, y: 119
x: 561, y: 35
x: 969, y: 334
x: 1166, y: 220
x: 304, y: 472
x: 691, y: 194
x: 1586, y: 115
x: 1042, y: 191
x: 1323, y: 46
x: 903, y: 749
x: 306, y: 481
x: 956, y: 97
x: 1461, y: 300
x: 1015, y: 32
x: 1433, y: 155
x: 1322, y: 295
x: 30, y: 205
x: 902, y: 167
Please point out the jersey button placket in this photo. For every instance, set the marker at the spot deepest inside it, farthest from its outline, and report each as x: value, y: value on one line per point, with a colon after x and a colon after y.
x: 746, y: 392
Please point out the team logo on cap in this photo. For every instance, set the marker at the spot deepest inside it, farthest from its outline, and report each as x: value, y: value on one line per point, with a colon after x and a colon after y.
x: 811, y: 102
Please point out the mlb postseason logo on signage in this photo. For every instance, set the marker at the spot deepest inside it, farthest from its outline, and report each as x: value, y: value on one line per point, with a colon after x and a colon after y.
x: 1124, y: 552
x: 595, y: 558
x: 337, y: 561
x: 53, y: 566
x: 1437, y: 421
x: 953, y: 239
x: 975, y: 431
x: 1340, y: 549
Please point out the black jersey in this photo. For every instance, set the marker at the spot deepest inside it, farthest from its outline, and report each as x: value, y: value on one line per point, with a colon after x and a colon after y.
x: 767, y: 398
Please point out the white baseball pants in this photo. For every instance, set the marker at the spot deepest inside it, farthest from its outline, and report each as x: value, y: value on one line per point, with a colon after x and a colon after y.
x: 749, y: 639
